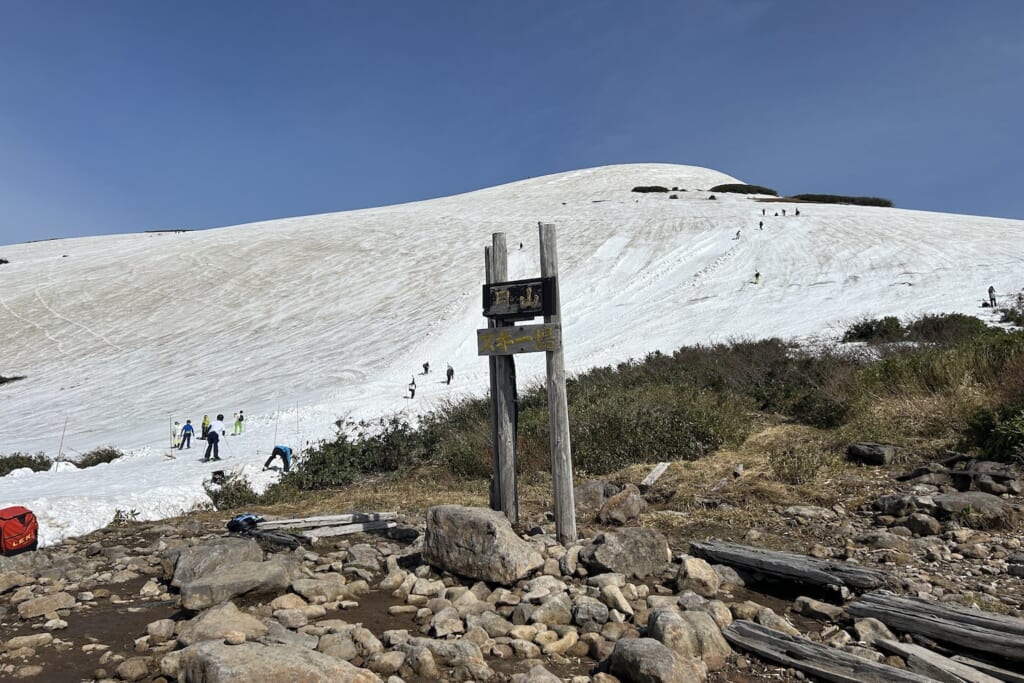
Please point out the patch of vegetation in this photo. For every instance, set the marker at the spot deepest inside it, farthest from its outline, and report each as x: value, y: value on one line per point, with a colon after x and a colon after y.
x: 946, y: 329
x: 98, y: 456
x: 649, y: 188
x: 4, y: 380
x: 875, y: 330
x: 744, y: 189
x: 997, y: 432
x: 235, y: 492
x: 799, y: 464
x: 843, y: 199
x: 37, y: 463
x: 1014, y: 313
x: 124, y: 518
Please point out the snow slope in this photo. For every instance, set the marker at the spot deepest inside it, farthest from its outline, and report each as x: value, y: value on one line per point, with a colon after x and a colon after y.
x: 303, y: 320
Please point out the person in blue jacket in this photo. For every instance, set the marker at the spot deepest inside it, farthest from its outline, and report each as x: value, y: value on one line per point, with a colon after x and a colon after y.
x: 285, y: 454
x: 186, y: 435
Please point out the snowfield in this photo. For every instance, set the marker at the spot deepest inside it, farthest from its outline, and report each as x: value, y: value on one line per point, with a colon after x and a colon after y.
x: 301, y: 321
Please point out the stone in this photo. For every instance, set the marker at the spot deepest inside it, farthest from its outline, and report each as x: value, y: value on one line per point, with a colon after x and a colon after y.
x: 538, y: 674
x: 37, y: 607
x: 9, y: 580
x: 215, y: 662
x: 987, y: 508
x: 34, y: 640
x: 291, y: 618
x: 632, y: 551
x: 234, y: 638
x: 698, y: 576
x: 561, y: 645
x: 557, y: 609
x: 690, y: 634
x: 386, y: 663
x: 624, y: 507
x: 477, y: 543
x: 870, y: 453
x: 234, y: 580
x: 288, y: 601
x: 211, y: 556
x: 161, y: 630
x: 446, y: 623
x: 645, y: 660
x: 338, y: 645
x: 589, y: 614
x: 590, y: 496
x: 894, y: 505
x: 719, y: 612
x: 816, y: 609
x: 921, y: 524
x: 133, y: 668
x: 328, y: 587
x: 364, y: 556
x: 768, y: 618
x: 870, y: 629
x: 215, y: 622
x: 612, y: 596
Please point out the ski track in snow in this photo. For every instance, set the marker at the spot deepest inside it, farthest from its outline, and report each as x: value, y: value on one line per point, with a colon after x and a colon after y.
x: 306, y: 320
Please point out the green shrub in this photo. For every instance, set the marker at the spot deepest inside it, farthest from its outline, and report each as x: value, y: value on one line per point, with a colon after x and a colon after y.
x: 235, y: 492
x: 1014, y: 312
x: 649, y: 188
x: 875, y: 331
x: 37, y: 463
x: 842, y: 199
x: 947, y: 328
x: 800, y: 464
x: 997, y: 432
x: 744, y: 189
x: 4, y: 380
x: 98, y: 456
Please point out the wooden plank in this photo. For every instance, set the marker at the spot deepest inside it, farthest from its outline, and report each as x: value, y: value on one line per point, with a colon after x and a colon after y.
x: 994, y: 634
x: 512, y: 339
x: 492, y: 367
x: 655, y: 474
x: 828, y: 663
x: 558, y: 404
x: 345, y: 529
x: 790, y: 566
x: 928, y: 663
x: 518, y: 299
x: 990, y: 669
x: 325, y: 520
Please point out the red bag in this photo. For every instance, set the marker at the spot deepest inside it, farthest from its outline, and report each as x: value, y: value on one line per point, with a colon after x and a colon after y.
x: 19, y: 530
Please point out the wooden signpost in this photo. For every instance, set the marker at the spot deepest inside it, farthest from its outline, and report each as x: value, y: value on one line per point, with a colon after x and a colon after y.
x: 505, y: 301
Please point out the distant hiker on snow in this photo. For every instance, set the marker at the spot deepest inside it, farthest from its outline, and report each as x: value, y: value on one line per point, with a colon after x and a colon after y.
x: 217, y: 430
x: 737, y: 235
x: 757, y: 277
x: 783, y: 212
x: 205, y: 426
x: 239, y: 426
x: 762, y: 212
x: 760, y: 225
x: 186, y: 435
x: 284, y: 453
x: 412, y: 388
x: 797, y: 212
x: 991, y: 296
x: 449, y: 373
x: 426, y: 368
x: 176, y: 434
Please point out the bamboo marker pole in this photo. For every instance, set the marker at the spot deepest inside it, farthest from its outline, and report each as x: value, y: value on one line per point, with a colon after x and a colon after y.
x: 558, y: 405
x: 60, y: 446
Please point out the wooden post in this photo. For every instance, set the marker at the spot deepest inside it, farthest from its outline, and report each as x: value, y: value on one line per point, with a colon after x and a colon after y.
x: 504, y: 401
x: 495, y: 491
x: 558, y: 404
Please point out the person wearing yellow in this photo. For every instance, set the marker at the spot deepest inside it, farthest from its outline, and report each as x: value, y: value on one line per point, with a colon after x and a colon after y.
x: 205, y: 426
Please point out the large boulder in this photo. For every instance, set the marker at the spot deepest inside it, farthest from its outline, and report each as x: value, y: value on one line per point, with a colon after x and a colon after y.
x: 973, y: 506
x: 477, y: 543
x: 212, y: 556
x: 870, y: 453
x: 645, y: 660
x: 632, y: 551
x: 37, y: 607
x: 215, y: 662
x: 690, y: 634
x: 622, y: 508
x: 232, y: 581
x: 590, y: 496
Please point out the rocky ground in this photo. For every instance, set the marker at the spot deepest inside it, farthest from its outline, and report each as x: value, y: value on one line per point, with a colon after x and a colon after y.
x: 458, y: 594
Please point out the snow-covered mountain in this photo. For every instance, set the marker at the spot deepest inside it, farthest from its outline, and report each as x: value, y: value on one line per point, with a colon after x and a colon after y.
x: 300, y: 321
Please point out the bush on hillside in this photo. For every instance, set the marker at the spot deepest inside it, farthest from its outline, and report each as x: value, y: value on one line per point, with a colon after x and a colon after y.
x: 1014, y: 313
x: 741, y: 188
x: 649, y: 188
x: 997, y: 432
x: 875, y: 330
x: 947, y: 328
x: 37, y: 463
x: 4, y: 380
x: 235, y: 492
x: 842, y: 199
x: 98, y: 456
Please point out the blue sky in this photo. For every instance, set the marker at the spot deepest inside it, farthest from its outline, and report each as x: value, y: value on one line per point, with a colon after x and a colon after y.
x: 120, y: 116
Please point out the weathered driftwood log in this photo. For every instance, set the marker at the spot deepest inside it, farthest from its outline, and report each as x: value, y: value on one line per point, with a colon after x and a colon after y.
x: 927, y: 663
x: 326, y: 520
x: 824, y: 662
x: 345, y: 529
x: 994, y: 634
x: 991, y: 669
x: 790, y: 566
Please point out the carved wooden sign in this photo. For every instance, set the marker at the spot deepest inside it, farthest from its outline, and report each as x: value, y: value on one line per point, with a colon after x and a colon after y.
x: 519, y: 299
x: 505, y: 341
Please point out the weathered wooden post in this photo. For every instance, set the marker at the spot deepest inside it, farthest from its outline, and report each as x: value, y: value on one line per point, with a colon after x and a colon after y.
x: 504, y: 401
x: 558, y: 404
x: 495, y: 490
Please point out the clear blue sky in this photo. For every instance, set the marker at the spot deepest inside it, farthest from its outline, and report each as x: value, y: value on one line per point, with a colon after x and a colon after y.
x: 128, y: 115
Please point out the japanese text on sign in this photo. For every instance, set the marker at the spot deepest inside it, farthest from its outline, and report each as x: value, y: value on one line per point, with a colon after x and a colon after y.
x: 519, y: 299
x: 503, y: 341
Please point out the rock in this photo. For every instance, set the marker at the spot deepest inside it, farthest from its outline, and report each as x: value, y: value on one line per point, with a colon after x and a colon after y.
x: 364, y: 556
x: 329, y: 587
x: 719, y: 612
x: 690, y: 634
x: 625, y: 506
x: 37, y: 607
x: 556, y: 610
x: 561, y: 645
x: 538, y: 674
x: 216, y: 622
x: 215, y: 662
x: 698, y: 576
x: 338, y: 645
x: 234, y: 638
x: 234, y: 580
x: 590, y: 496
x: 589, y: 614
x: 921, y: 524
x: 9, y: 580
x: 645, y: 660
x: 768, y: 618
x: 632, y: 551
x: 870, y: 629
x: 291, y: 618
x: 160, y: 631
x: 988, y: 509
x: 446, y: 623
x: 894, y: 505
x: 477, y: 543
x: 34, y: 640
x: 133, y: 668
x: 809, y: 512
x: 211, y: 556
x: 817, y: 610
x: 612, y: 596
x: 386, y: 663
x: 869, y: 453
